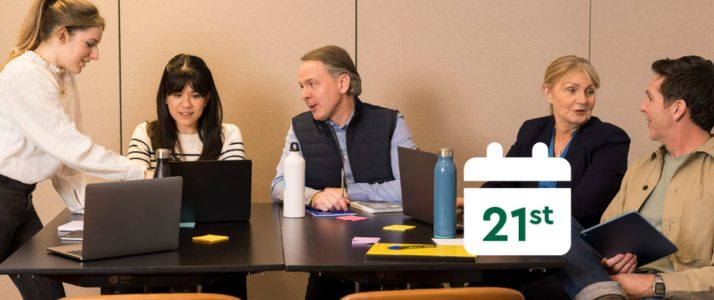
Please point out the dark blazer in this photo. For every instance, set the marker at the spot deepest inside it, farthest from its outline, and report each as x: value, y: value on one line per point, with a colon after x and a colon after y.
x: 597, y: 157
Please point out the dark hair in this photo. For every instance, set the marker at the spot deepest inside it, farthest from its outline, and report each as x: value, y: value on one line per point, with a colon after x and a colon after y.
x: 338, y: 62
x: 46, y: 15
x: 182, y: 70
x: 690, y: 78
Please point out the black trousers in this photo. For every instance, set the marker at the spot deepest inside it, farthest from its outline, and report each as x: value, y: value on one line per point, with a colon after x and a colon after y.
x: 18, y: 223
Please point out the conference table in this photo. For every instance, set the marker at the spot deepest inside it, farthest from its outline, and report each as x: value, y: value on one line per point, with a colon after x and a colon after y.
x: 253, y: 246
x: 324, y: 245
x: 269, y: 242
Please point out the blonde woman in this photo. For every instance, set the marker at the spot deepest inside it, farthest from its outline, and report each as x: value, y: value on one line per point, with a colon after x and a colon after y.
x: 596, y: 151
x: 40, y: 122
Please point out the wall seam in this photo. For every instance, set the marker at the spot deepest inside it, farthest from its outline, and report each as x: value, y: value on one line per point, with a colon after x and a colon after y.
x: 590, y: 29
x: 356, y: 37
x: 121, y: 117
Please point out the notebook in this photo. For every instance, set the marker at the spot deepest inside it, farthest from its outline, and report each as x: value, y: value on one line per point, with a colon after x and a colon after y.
x: 125, y: 218
x: 629, y: 233
x: 328, y: 214
x: 388, y: 251
x: 214, y: 190
x: 376, y: 207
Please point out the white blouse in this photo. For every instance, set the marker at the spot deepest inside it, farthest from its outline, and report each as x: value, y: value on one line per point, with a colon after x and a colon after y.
x: 40, y: 138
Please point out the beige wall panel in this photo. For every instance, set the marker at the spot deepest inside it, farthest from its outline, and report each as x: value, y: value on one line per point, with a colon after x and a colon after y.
x: 627, y: 36
x: 253, y: 49
x: 99, y: 83
x: 11, y: 16
x: 465, y: 73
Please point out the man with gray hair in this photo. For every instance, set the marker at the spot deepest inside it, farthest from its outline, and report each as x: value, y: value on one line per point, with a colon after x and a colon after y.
x: 342, y: 135
x: 345, y: 142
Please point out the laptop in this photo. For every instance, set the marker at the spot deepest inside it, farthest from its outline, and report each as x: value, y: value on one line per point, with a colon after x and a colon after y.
x: 126, y: 218
x: 416, y: 172
x: 214, y: 190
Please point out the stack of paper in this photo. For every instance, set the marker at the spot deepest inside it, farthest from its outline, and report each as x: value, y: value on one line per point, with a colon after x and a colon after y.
x: 376, y: 207
x: 71, y: 226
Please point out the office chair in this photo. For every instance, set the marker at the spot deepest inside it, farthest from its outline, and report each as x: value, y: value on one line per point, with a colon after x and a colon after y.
x: 157, y: 296
x: 469, y: 293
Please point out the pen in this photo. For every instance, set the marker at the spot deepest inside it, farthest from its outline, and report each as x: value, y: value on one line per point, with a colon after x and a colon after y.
x: 342, y: 183
x: 400, y: 247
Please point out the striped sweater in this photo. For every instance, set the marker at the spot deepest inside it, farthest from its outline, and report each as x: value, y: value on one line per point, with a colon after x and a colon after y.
x: 140, y: 148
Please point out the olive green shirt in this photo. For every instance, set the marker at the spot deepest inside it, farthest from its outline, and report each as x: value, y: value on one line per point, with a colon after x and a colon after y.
x: 653, y: 208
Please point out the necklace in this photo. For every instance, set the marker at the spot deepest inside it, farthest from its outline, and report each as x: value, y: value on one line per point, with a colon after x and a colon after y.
x: 552, y: 149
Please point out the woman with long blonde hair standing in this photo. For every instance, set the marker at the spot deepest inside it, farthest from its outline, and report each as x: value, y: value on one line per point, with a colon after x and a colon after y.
x: 40, y: 125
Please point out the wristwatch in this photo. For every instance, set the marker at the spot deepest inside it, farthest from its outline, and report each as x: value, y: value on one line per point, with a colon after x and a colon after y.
x: 658, y: 288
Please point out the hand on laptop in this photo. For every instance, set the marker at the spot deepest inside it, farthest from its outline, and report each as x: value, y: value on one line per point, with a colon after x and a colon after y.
x: 621, y: 263
x: 148, y: 174
x: 330, y: 199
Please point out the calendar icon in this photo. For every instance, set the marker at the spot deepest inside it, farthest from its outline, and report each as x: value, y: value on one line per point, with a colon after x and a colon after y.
x: 517, y: 221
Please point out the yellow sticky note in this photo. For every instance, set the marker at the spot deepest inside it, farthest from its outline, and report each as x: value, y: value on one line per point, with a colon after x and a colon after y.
x: 399, y: 227
x: 209, y: 238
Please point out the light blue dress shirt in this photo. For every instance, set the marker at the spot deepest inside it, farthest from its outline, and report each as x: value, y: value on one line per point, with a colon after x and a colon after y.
x: 386, y: 191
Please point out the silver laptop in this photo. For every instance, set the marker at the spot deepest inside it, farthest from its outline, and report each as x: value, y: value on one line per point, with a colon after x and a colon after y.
x: 126, y: 218
x: 416, y: 172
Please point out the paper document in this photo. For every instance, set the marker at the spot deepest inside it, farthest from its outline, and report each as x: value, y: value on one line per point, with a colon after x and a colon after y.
x: 71, y: 226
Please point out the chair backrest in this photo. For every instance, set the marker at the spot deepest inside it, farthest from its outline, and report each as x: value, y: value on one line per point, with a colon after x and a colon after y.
x: 158, y: 296
x: 470, y: 293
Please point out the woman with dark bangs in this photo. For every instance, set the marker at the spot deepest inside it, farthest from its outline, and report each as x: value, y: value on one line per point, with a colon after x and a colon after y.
x: 190, y: 124
x: 189, y: 118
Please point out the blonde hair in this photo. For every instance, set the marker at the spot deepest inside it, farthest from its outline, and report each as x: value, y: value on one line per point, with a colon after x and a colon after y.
x: 45, y: 16
x: 564, y: 65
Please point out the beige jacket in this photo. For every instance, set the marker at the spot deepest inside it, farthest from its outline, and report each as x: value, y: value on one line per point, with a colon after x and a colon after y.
x: 688, y: 219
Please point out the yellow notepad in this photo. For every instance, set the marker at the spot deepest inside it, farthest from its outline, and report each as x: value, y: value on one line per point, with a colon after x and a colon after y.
x: 209, y: 238
x: 381, y: 251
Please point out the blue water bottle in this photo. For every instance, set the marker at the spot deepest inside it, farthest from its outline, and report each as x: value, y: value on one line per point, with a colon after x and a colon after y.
x: 445, y: 195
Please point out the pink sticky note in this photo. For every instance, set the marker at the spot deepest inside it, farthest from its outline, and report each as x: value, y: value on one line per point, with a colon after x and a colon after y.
x: 364, y: 240
x: 351, y: 218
